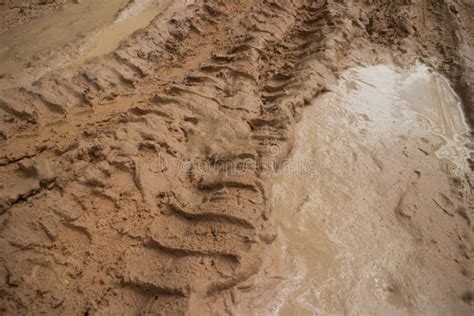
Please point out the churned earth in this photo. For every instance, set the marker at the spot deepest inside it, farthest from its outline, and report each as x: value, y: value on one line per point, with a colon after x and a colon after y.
x: 236, y: 157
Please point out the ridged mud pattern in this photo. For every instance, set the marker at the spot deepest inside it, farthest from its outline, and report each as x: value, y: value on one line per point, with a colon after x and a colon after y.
x: 162, y: 205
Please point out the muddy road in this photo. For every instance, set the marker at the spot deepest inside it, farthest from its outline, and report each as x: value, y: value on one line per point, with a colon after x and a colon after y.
x: 236, y: 157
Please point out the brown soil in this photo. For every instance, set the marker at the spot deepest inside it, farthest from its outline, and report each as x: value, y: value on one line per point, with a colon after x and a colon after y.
x: 116, y: 195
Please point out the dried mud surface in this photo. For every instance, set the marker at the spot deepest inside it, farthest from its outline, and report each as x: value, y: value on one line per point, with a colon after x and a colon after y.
x: 116, y: 195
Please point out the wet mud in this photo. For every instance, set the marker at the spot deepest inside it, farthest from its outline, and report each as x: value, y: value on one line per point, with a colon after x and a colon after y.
x: 143, y: 180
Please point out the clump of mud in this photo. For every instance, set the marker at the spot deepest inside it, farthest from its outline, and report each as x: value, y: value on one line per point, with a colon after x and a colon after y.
x: 141, y: 181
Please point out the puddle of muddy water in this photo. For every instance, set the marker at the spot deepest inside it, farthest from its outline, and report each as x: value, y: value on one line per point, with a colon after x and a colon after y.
x: 137, y: 17
x: 54, y: 30
x: 95, y: 27
x: 358, y: 149
x: 432, y: 97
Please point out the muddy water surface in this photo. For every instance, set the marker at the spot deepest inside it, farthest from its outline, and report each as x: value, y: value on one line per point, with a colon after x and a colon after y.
x: 135, y: 17
x: 54, y: 30
x: 371, y: 224
x: 75, y: 33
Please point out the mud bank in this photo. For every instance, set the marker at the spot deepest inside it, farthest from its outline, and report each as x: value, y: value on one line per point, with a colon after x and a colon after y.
x: 374, y: 203
x: 141, y: 181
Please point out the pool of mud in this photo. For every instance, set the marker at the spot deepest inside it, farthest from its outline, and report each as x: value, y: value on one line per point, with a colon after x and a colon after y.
x: 371, y: 204
x: 71, y: 35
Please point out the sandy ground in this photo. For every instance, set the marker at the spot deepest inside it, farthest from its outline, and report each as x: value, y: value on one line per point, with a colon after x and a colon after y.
x: 143, y: 180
